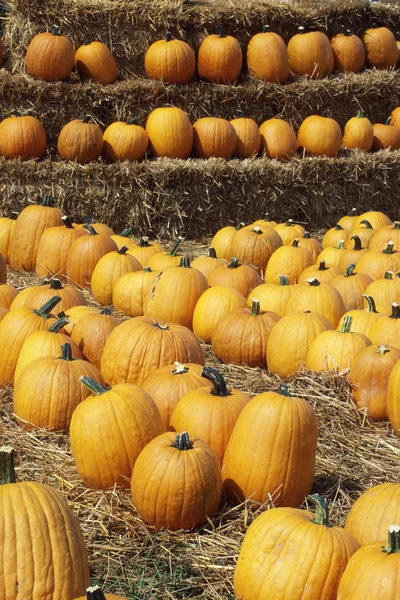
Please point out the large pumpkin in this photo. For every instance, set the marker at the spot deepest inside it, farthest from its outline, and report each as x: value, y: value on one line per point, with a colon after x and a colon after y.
x: 310, y: 54
x: 348, y: 52
x: 386, y: 137
x: 131, y: 290
x: 248, y: 137
x: 278, y: 139
x: 267, y: 57
x: 170, y: 60
x: 80, y: 141
x: 85, y: 253
x: 170, y: 132
x: 213, y: 304
x: 124, y: 140
x: 288, y: 260
x: 50, y: 56
x: 54, y: 246
x: 255, y: 246
x: 320, y: 136
x: 22, y: 137
x: 220, y: 58
x: 93, y: 60
x: 380, y: 47
x: 358, y: 133
x: 91, y: 333
x: 213, y: 137
x: 318, y: 297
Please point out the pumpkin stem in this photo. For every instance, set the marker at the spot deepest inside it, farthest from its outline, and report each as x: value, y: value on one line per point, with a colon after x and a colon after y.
x: 179, y: 368
x: 90, y: 229
x: 162, y: 327
x: 352, y: 212
x: 7, y: 471
x: 360, y: 114
x: 366, y: 223
x: 350, y: 270
x: 338, y: 227
x: 283, y: 280
x: 66, y: 352
x: 284, y: 390
x: 175, y: 246
x: 347, y: 33
x: 322, y: 516
x: 257, y: 229
x: 382, y: 349
x: 313, y: 281
x: 126, y: 232
x: 387, y: 122
x: 144, y: 242
x: 289, y: 223
x: 94, y: 386
x: 106, y: 311
x: 395, y: 311
x: 132, y: 120
x: 95, y: 593
x: 59, y: 324
x: 168, y: 36
x: 396, y: 225
x: 388, y: 275
x: 234, y: 263
x: 340, y: 245
x: 182, y: 441
x: 357, y: 243
x: 255, y: 307
x: 212, y: 253
x: 55, y: 30
x: 295, y: 243
x: 67, y: 222
x: 16, y: 113
x: 47, y: 307
x: 393, y: 546
x: 266, y: 28
x: 86, y: 40
x: 55, y: 284
x: 239, y: 226
x: 389, y: 248
x: 86, y: 119
x: 217, y: 380
x: 307, y: 235
x: 240, y: 114
x: 47, y: 201
x: 322, y: 266
x: 221, y: 31
x: 123, y: 250
x: 346, y: 326
x: 147, y: 270
x: 185, y: 262
x: 371, y: 303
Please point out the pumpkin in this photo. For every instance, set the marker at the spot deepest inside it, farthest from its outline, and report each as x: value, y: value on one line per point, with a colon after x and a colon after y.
x: 48, y: 390
x: 373, y: 571
x: 384, y: 235
x: 46, y: 342
x: 50, y: 56
x: 317, y: 297
x: 385, y: 291
x: 208, y: 264
x: 351, y: 286
x: 36, y: 295
x: 168, y: 384
x: 393, y: 397
x: 363, y: 320
x: 7, y: 225
x: 95, y: 593
x: 99, y: 227
x: 3, y: 271
x: 290, y: 260
x: 376, y: 262
x: 266, y: 221
x: 347, y: 221
x: 358, y: 133
x: 3, y: 312
x: 75, y: 314
x: 273, y: 297
x: 289, y: 231
x: 54, y: 247
x: 282, y: 538
x: 145, y: 250
x: 364, y: 231
x: 213, y: 304
x: 213, y: 137
x: 271, y: 453
x: 386, y: 137
x: 278, y: 139
x: 169, y: 60
x: 108, y: 270
x: 93, y: 60
x: 243, y: 278
x: 380, y: 48
x: 91, y: 333
x: 387, y: 329
x: 124, y: 140
x: 334, y: 235
x: 16, y: 326
x: 170, y: 132
x: 163, y: 260
x: 220, y: 58
x: 85, y: 253
x: 109, y: 430
x: 352, y: 256
x: 137, y: 347
x: 22, y: 137
x: 210, y: 414
x: 248, y: 138
x: 80, y: 141
x: 310, y: 54
x: 267, y: 57
x: 124, y: 238
x: 30, y: 224
x: 255, y: 246
x: 336, y: 350
x: 7, y: 294
x: 311, y: 244
x: 131, y: 290
x: 373, y: 512
x: 221, y: 242
x: 332, y: 254
x: 321, y: 272
x: 320, y: 136
x: 290, y: 340
x: 46, y: 555
x: 369, y: 377
x: 348, y: 52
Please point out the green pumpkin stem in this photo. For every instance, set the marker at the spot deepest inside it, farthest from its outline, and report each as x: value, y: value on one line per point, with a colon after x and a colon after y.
x: 217, y: 380
x: 346, y: 326
x: 212, y: 252
x: 340, y: 245
x: 179, y: 368
x: 175, y: 246
x: 234, y: 263
x: 322, y: 266
x: 123, y: 250
x: 284, y: 280
x: 255, y: 307
x: 147, y: 270
x: 126, y: 232
x: 284, y: 390
x: 352, y: 212
x: 66, y: 352
x: 86, y: 119
x: 182, y: 441
x: 350, y: 270
x: 366, y: 223
x: 307, y: 235
x: 289, y: 223
x: 55, y: 30
x: 86, y: 40
x: 67, y: 222
x: 388, y: 275
x: 185, y: 262
x: 313, y: 281
x: 371, y: 303
x: 55, y: 284
x: 360, y: 114
x: 90, y: 229
x: 393, y: 546
x: 94, y: 386
x: 95, y: 593
x: 395, y: 311
x: 387, y: 122
x: 47, y: 307
x: 266, y: 28
x: 322, y: 516
x: 240, y: 114
x: 106, y: 311
x: 221, y: 31
x: 7, y: 470
x: 239, y: 226
x: 132, y: 121
x: 338, y: 227
x: 389, y: 248
x: 144, y: 242
x: 357, y: 243
x: 59, y: 324
x: 47, y: 200
x: 295, y: 243
x: 396, y: 225
x: 382, y: 349
x: 168, y: 36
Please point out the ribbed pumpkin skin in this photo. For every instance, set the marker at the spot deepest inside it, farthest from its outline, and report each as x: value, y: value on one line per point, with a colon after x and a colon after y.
x: 289, y: 231
x: 91, y: 333
x: 95, y: 61
x: 348, y: 52
x: 30, y: 224
x: 273, y: 297
x: 36, y: 295
x: 363, y: 232
x: 108, y: 432
x: 139, y: 346
x: 176, y: 489
x: 385, y: 137
x: 376, y: 218
x: 80, y: 141
x: 335, y: 350
x: 384, y: 235
x: 278, y: 139
x: 312, y: 245
x: 107, y: 596
x: 3, y: 271
x: 373, y: 512
x: 290, y: 340
x: 209, y: 417
x: 219, y: 59
x: 243, y: 278
x: 385, y: 292
x: 84, y: 255
x: 351, y: 288
x: 320, y: 136
x: 393, y: 398
x: 221, y: 241
x: 387, y: 330
x: 255, y: 246
x: 288, y: 260
x: 171, y: 61
x: 267, y: 57
x: 358, y: 133
x: 42, y: 554
x: 48, y: 391
x: 144, y: 251
x: 310, y: 54
x: 248, y: 137
x: 280, y: 539
x: 53, y: 250
x: 323, y: 299
x: 130, y: 291
x: 50, y: 57
x: 22, y: 137
x: 375, y: 263
x: 6, y: 231
x: 122, y: 240
x: 76, y: 313
x: 213, y: 304
x: 108, y: 270
x: 124, y: 141
x: 334, y: 235
x: 351, y: 257
x: 241, y: 338
x: 323, y: 273
x: 271, y: 452
x: 169, y: 384
x: 362, y: 320
x: 7, y: 294
x: 331, y: 255
x: 208, y: 264
x: 213, y: 138
x: 369, y: 377
x: 380, y: 48
x: 170, y: 133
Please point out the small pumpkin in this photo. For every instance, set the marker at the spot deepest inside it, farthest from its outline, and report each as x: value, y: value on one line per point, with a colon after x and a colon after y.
x: 364, y: 231
x: 255, y: 246
x: 310, y: 53
x: 145, y: 250
x: 221, y: 241
x: 352, y: 256
x: 334, y: 235
x: 347, y: 221
x: 289, y: 231
x: 80, y: 141
x: 54, y: 246
x: 273, y: 297
x: 220, y: 58
x: 267, y: 57
x: 163, y: 260
x: 170, y: 60
x: 243, y: 278
x: 380, y: 47
x: 75, y: 314
x: 50, y: 56
x: 320, y: 136
x: 170, y: 132
x: 213, y: 137
x: 358, y: 133
x: 93, y: 60
x: 321, y: 272
x: 36, y: 295
x: 290, y: 260
x: 384, y: 235
x: 311, y: 244
x: 248, y: 138
x: 85, y: 253
x: 332, y: 254
x: 208, y: 264
x: 213, y: 304
x: 131, y: 291
x: 124, y: 238
x: 107, y: 272
x: 348, y: 52
x: 318, y: 297
x: 363, y: 320
x: 387, y: 329
x: 22, y: 137
x: 91, y: 333
x: 278, y: 139
x: 124, y: 140
x: 351, y: 286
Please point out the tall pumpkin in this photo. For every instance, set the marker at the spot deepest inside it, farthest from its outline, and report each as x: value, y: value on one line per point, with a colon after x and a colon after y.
x: 278, y: 139
x: 220, y: 58
x: 54, y: 247
x: 93, y: 60
x: 80, y: 141
x: 248, y: 137
x: 380, y: 47
x: 267, y: 57
x: 170, y: 60
x: 213, y: 137
x: 91, y: 333
x: 348, y: 52
x: 358, y: 133
x: 108, y: 270
x: 320, y: 135
x: 310, y: 54
x: 84, y: 255
x: 50, y: 56
x: 22, y: 137
x: 170, y: 132
x: 213, y: 304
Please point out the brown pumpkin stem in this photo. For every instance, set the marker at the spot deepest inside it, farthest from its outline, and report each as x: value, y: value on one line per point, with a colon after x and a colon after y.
x: 168, y: 36
x: 255, y: 307
x: 106, y: 311
x: 55, y: 30
x: 67, y: 222
x: 313, y: 281
x: 371, y: 303
x: 126, y: 232
x: 360, y: 114
x: 346, y: 326
x: 393, y: 546
x: 90, y: 229
x: 221, y: 31
x: 86, y: 119
x: 132, y: 121
x: 95, y: 593
x: 389, y: 248
x: 182, y: 441
x: 395, y: 311
x: 59, y: 324
x: 366, y: 223
x: 66, y: 352
x: 179, y: 368
x: 350, y: 270
x: 382, y: 349
x: 123, y: 250
x: 185, y: 262
x: 144, y: 242
x: 55, y: 284
x: 388, y: 275
x: 357, y: 243
x: 47, y: 307
x: 212, y: 252
x: 47, y: 200
x: 175, y: 246
x: 283, y: 280
x: 322, y: 266
x: 7, y: 471
x: 234, y: 263
x: 94, y: 386
x: 295, y: 243
x: 322, y: 516
x: 284, y: 390
x: 217, y: 380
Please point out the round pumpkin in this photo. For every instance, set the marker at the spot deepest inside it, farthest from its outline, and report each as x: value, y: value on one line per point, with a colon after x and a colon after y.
x: 221, y: 241
x: 248, y: 138
x: 170, y: 133
x: 384, y: 235
x: 387, y: 329
x: 317, y: 297
x: 332, y: 254
x: 386, y: 137
x: 375, y: 263
x: 334, y: 235
x: 80, y: 141
x: 358, y: 133
x: 75, y: 314
x: 351, y: 286
x: 321, y: 272
x: 91, y: 333
x: 273, y: 297
x: 385, y: 291
x: 108, y: 270
x: 289, y: 260
x: 243, y: 278
x: 131, y: 291
x: 352, y: 256
x: 208, y: 264
x: 364, y: 231
x: 7, y: 294
x: 320, y: 136
x: 220, y: 58
x: 93, y: 60
x: 22, y: 137
x: 380, y: 47
x: 347, y: 221
x: 50, y: 56
x: 163, y: 260
x: 213, y: 304
x: 255, y: 246
x: 170, y: 60
x: 85, y: 253
x: 278, y: 139
x: 289, y: 231
x: 348, y: 52
x: 124, y: 140
x: 145, y: 250
x: 213, y: 137
x: 54, y: 246
x: 363, y: 320
x: 124, y: 238
x: 36, y: 295
x: 267, y: 57
x: 310, y: 54
x: 311, y: 244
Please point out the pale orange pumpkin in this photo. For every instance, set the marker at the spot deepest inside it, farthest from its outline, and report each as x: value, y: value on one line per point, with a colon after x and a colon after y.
x: 170, y: 60
x: 213, y: 137
x: 267, y: 57
x: 170, y: 132
x: 278, y: 139
x: 93, y: 60
x: 219, y: 58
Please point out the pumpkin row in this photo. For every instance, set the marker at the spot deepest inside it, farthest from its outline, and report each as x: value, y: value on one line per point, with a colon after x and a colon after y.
x: 52, y: 57
x: 170, y: 133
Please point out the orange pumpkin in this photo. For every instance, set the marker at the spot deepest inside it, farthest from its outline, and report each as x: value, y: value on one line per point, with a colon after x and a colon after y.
x: 208, y: 264
x: 352, y: 256
x: 248, y: 137
x: 380, y: 48
x: 243, y: 278
x: 289, y: 260
x: 386, y: 137
x: 85, y: 253
x: 318, y: 297
x: 80, y: 141
x: 170, y: 60
x: 348, y: 52
x: 351, y: 286
x: 278, y: 139
x: 170, y: 132
x: 321, y: 272
x: 393, y: 397
x: 334, y: 235
x: 289, y: 231
x: 221, y: 241
x: 220, y: 58
x: 131, y: 290
x: 91, y: 333
x: 311, y: 244
x: 107, y: 272
x: 124, y: 140
x: 7, y: 294
x: 267, y: 57
x: 387, y: 329
x: 36, y: 295
x: 22, y: 137
x: 213, y: 304
x: 93, y: 60
x: 163, y: 260
x: 385, y: 291
x: 376, y: 262
x: 54, y: 246
x: 273, y: 297
x: 310, y: 54
x: 50, y: 56
x: 255, y: 246
x: 320, y: 136
x: 213, y: 137
x: 358, y: 133
x: 384, y: 235
x: 7, y: 225
x: 145, y: 250
x: 363, y: 320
